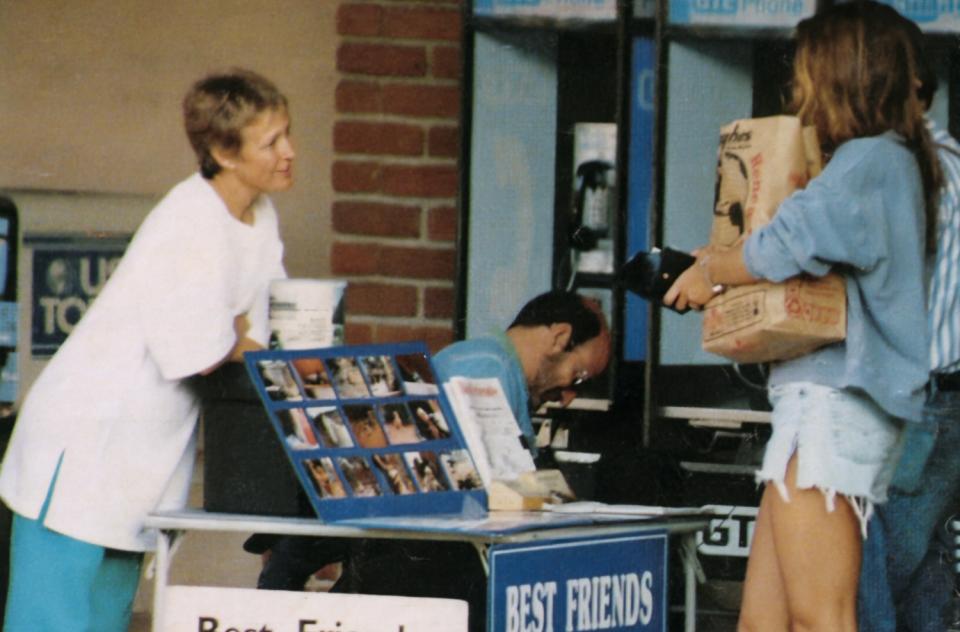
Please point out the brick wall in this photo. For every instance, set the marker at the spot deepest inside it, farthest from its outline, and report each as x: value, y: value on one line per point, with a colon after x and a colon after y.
x: 395, y: 167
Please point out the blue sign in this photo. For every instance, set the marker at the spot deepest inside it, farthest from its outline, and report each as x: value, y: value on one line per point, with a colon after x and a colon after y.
x: 930, y: 15
x: 68, y: 273
x: 581, y: 9
x: 603, y: 583
x: 741, y: 13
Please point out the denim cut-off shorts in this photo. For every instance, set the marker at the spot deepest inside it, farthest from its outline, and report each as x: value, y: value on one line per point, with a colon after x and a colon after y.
x: 845, y: 444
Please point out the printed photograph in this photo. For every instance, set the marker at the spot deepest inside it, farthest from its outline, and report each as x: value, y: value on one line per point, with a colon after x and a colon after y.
x: 347, y: 378
x: 365, y: 427
x: 459, y: 468
x: 416, y: 374
x: 381, y: 375
x: 391, y: 465
x: 332, y: 428
x: 359, y: 476
x: 429, y: 419
x: 426, y: 470
x: 278, y: 381
x: 315, y: 379
x: 325, y: 479
x: 297, y: 431
x: 399, y: 424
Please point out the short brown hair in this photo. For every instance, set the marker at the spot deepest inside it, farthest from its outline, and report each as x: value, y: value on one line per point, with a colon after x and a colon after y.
x: 219, y: 106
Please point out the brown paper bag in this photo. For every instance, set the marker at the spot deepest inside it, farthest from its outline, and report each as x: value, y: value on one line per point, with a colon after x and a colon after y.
x: 759, y: 163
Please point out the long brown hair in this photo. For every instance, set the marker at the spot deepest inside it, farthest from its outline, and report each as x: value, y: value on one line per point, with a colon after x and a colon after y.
x: 855, y: 75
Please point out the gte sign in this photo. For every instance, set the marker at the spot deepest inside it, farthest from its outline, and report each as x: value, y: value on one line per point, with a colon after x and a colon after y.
x: 729, y: 533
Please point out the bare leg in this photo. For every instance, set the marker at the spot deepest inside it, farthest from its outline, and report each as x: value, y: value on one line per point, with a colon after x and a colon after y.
x: 764, y: 607
x: 819, y: 554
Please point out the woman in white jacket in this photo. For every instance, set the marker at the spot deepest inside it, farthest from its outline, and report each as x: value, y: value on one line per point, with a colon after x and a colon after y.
x: 106, y: 434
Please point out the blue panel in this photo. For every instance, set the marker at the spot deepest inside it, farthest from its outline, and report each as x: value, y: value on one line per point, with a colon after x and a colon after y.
x: 582, y: 9
x: 610, y: 583
x: 710, y: 85
x: 512, y: 168
x: 640, y: 187
x: 741, y: 13
x: 930, y: 15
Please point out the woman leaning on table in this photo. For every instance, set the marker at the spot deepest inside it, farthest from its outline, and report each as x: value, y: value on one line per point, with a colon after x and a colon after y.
x: 838, y: 412
x: 106, y: 434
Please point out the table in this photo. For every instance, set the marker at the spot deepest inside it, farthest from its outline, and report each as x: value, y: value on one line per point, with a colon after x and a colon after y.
x: 489, y: 533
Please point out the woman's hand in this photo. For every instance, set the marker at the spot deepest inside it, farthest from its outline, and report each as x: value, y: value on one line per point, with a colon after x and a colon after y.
x: 692, y: 289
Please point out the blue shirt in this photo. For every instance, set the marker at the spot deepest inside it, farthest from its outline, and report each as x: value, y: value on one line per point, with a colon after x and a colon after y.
x: 491, y: 356
x: 944, y: 302
x: 863, y: 217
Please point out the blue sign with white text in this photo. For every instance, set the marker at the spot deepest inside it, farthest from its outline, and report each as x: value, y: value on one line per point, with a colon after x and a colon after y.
x: 741, y: 13
x: 930, y: 15
x: 613, y: 583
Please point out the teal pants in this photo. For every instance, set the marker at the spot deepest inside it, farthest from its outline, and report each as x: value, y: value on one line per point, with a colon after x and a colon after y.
x: 58, y: 583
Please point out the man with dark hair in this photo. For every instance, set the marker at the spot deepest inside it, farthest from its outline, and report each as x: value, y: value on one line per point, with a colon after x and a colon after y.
x: 557, y: 341
x: 906, y: 582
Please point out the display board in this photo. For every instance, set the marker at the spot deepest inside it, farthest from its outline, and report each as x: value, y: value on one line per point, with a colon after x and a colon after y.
x: 369, y: 430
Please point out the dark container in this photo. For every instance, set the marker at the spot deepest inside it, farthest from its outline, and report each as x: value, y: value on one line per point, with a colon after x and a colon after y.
x: 245, y: 469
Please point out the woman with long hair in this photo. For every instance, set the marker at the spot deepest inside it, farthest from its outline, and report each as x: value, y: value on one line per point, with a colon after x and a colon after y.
x: 839, y: 411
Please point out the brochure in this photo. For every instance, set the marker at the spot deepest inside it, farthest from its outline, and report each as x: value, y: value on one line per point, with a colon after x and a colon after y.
x: 490, y: 428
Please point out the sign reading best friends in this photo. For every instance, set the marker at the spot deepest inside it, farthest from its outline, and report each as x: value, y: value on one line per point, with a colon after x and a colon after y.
x: 611, y: 583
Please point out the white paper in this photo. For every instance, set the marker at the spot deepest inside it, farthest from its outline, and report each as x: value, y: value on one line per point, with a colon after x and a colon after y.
x: 489, y: 427
x: 591, y: 507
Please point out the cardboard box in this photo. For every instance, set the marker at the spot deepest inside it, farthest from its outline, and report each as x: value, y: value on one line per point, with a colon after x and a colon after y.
x: 759, y: 163
x: 776, y: 321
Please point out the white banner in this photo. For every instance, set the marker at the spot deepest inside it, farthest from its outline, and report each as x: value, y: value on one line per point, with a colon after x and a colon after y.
x: 209, y: 609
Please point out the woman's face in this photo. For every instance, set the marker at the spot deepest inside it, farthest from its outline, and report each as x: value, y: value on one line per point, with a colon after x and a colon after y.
x: 265, y: 160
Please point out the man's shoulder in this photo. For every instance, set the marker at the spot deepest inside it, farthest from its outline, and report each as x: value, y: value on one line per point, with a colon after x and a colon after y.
x: 472, y: 357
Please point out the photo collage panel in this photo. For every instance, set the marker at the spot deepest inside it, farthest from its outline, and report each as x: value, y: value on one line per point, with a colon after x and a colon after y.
x: 366, y: 422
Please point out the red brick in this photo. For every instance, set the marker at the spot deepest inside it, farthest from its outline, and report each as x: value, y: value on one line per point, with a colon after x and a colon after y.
x: 362, y: 20
x: 357, y: 333
x: 378, y: 299
x: 439, y: 302
x: 356, y: 177
x: 421, y: 100
x: 382, y: 60
x: 442, y: 223
x: 444, y: 142
x: 446, y: 62
x: 359, y: 97
x: 418, y: 263
x: 436, y: 338
x: 427, y: 23
x: 361, y: 137
x: 430, y: 181
x: 355, y: 259
x: 376, y: 219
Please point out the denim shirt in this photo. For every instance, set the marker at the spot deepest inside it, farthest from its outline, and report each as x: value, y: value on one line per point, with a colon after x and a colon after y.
x: 862, y: 217
x: 491, y: 356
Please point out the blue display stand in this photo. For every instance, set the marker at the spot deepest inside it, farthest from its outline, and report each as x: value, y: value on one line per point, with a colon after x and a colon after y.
x: 368, y: 430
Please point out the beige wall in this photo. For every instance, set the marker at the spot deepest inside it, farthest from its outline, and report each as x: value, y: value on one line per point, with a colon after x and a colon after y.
x: 91, y: 96
x: 90, y: 112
